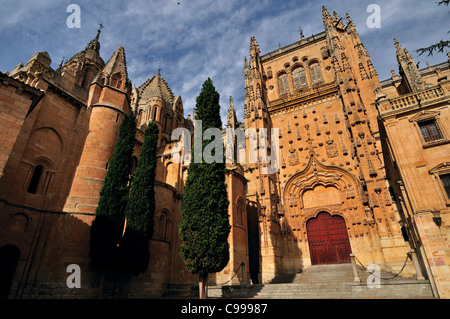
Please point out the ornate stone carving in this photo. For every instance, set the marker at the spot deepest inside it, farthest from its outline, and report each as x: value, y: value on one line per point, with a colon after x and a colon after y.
x: 332, y: 150
x: 293, y: 157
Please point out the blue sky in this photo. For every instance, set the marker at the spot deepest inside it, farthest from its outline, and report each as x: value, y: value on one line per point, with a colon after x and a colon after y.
x: 192, y: 40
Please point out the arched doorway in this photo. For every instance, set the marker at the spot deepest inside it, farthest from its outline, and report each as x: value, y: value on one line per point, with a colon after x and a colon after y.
x: 9, y: 258
x: 328, y: 240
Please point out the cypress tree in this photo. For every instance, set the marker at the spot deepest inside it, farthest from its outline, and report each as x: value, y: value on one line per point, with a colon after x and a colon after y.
x: 107, y: 228
x: 134, y: 253
x: 205, y: 226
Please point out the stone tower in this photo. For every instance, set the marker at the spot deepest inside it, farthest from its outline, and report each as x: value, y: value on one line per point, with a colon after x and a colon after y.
x: 85, y: 65
x: 357, y: 82
x: 262, y: 158
x: 109, y: 101
x: 156, y: 102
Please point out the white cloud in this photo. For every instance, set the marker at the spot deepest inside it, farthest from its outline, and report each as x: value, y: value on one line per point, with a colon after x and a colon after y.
x: 197, y: 39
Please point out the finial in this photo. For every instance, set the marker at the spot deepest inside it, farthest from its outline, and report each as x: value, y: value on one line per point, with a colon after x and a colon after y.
x: 59, y: 69
x: 349, y: 20
x: 99, y: 30
x: 396, y: 42
x: 301, y: 33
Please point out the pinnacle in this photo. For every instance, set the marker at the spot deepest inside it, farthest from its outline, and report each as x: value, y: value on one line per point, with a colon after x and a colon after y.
x: 116, y: 64
x: 397, y: 46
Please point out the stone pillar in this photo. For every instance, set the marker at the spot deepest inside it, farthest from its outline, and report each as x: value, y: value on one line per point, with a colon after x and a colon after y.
x: 244, y: 281
x: 355, y: 269
x: 413, y: 255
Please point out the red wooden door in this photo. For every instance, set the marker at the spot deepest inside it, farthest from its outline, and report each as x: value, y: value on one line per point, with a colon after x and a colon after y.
x: 328, y: 240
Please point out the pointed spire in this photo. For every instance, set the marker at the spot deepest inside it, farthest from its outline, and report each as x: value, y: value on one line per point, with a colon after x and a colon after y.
x: 158, y: 92
x: 336, y: 16
x: 254, y: 48
x: 327, y: 21
x: 408, y: 69
x: 115, y: 71
x: 91, y: 52
x: 337, y: 21
x: 349, y: 20
x: 253, y: 43
x: 94, y: 45
x: 232, y: 121
x: 60, y: 67
x: 351, y: 28
x: 325, y: 13
x: 398, y: 47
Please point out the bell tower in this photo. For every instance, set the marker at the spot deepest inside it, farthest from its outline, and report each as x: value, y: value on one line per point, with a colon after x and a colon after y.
x: 261, y: 169
x: 109, y: 101
x: 85, y: 65
x: 357, y: 81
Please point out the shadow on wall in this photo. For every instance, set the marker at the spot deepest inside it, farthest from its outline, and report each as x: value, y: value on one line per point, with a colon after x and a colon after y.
x: 36, y: 251
x: 9, y: 258
x: 288, y: 255
x: 286, y: 251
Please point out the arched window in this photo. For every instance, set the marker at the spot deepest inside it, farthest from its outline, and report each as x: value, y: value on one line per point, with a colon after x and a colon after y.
x: 116, y: 81
x: 34, y: 183
x: 299, y: 77
x: 139, y: 118
x: 283, y: 81
x: 155, y: 109
x: 167, y: 124
x: 161, y: 225
x: 316, y: 76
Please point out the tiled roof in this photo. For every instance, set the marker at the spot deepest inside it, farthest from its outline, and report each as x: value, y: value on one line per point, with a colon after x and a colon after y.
x: 156, y: 87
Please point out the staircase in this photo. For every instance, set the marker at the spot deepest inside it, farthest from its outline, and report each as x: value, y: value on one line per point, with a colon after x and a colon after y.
x: 327, y: 282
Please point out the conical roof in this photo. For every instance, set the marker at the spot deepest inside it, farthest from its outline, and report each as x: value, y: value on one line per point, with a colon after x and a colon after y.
x: 91, y: 52
x: 156, y: 87
x: 117, y: 64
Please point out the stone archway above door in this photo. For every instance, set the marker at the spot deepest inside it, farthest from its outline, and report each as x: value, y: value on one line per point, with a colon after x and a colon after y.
x: 319, y: 183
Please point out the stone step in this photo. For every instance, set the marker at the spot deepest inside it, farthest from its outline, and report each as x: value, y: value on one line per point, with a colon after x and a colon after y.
x: 328, y: 281
x: 409, y: 291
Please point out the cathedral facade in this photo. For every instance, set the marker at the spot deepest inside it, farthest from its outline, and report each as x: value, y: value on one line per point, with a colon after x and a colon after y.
x: 362, y: 167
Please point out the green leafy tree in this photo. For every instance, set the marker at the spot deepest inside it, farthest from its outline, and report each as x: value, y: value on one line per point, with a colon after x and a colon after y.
x: 107, y: 228
x: 134, y: 253
x: 441, y: 45
x: 205, y: 226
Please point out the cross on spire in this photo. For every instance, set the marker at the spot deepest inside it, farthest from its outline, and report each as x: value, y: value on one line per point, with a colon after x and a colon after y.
x: 301, y: 33
x: 99, y: 30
